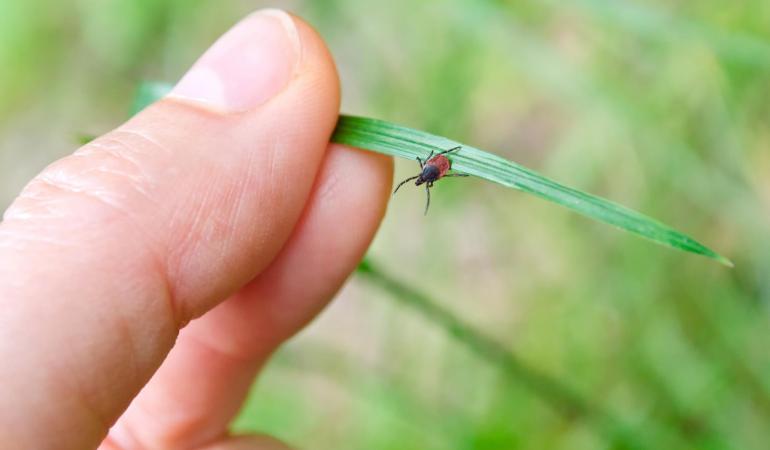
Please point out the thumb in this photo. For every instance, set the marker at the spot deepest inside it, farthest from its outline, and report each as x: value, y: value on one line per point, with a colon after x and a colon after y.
x: 108, y: 252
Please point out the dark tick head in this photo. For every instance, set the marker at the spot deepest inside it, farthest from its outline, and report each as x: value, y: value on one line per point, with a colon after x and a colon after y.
x: 430, y: 173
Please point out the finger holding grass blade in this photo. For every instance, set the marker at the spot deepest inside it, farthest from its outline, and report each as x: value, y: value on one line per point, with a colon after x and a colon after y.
x: 396, y: 140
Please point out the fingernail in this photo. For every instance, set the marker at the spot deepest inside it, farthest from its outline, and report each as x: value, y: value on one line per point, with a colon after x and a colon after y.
x: 247, y: 66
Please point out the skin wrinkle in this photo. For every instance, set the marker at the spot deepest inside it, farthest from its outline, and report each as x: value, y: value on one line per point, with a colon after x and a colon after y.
x: 25, y: 213
x: 236, y: 210
x: 114, y: 155
x: 58, y: 181
x: 280, y: 162
x: 57, y: 176
x: 24, y: 208
x: 157, y: 146
x: 21, y: 238
x: 184, y: 222
x: 241, y: 186
x: 271, y: 169
x: 31, y: 199
x: 118, y: 150
x: 112, y: 146
x: 235, y: 198
x: 263, y: 181
x: 168, y: 296
x: 328, y: 190
x: 193, y: 239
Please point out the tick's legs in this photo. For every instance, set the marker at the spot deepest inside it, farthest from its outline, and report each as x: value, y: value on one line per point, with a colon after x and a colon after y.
x: 427, y: 204
x: 456, y: 175
x: 420, y: 161
x: 451, y: 150
x: 404, y: 182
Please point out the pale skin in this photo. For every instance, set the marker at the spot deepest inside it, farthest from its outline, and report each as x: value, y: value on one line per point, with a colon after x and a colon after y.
x: 223, y: 210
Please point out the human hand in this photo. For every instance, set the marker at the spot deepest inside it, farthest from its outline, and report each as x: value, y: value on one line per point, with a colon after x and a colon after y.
x: 222, y: 203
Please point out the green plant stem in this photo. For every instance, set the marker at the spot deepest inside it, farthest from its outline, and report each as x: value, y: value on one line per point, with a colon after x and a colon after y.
x: 561, y: 398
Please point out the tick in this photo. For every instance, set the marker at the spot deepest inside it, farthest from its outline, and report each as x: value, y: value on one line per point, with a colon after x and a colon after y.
x: 433, y: 169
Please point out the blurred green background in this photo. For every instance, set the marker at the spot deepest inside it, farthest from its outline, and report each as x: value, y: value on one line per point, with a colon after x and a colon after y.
x: 603, y: 340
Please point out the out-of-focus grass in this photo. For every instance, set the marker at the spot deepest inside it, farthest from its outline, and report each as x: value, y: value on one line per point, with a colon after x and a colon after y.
x: 660, y: 106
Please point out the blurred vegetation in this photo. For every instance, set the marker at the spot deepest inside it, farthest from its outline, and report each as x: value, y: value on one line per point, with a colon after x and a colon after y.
x: 661, y: 106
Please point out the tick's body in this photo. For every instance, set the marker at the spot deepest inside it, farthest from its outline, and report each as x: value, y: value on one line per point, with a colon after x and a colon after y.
x: 434, y: 168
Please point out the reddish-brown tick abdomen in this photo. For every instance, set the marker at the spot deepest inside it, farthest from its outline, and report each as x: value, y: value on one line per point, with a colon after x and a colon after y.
x: 442, y: 163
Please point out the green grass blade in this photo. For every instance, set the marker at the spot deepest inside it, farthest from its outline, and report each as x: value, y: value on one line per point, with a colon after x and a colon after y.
x: 146, y: 93
x: 395, y: 140
x: 561, y: 397
x: 385, y: 137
